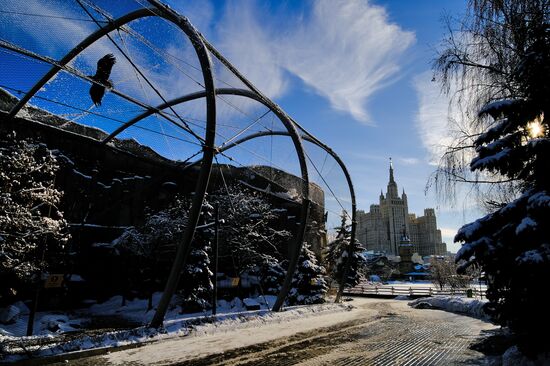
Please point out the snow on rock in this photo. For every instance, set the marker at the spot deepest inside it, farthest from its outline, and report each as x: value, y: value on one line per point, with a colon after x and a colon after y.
x: 9, y: 315
x: 82, y: 174
x: 454, y: 304
x: 402, y: 297
x: 251, y: 304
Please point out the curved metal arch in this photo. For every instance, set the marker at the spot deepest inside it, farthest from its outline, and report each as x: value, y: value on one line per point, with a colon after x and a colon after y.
x: 310, y: 138
x: 296, y: 138
x: 183, y: 99
x: 307, y: 136
x: 201, y: 46
x: 347, y: 265
x: 159, y: 10
x: 87, y: 42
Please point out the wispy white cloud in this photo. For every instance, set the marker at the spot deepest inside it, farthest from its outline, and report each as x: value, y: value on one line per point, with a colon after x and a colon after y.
x: 344, y: 50
x: 432, y: 116
x: 247, y: 43
x: 409, y: 161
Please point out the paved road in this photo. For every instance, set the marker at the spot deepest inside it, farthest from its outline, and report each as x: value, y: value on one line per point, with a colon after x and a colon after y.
x: 379, y: 332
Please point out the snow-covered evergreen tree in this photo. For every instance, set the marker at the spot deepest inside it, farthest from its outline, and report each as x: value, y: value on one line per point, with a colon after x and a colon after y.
x: 272, y: 275
x: 512, y: 244
x: 336, y: 246
x: 309, y: 284
x: 505, y: 67
x: 195, y: 290
x: 337, y: 256
x: 33, y: 231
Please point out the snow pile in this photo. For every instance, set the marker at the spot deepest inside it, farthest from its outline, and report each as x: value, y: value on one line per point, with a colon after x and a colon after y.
x: 454, y: 304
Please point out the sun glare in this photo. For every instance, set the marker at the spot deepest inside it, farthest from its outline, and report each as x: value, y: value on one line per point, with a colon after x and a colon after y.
x: 535, y: 128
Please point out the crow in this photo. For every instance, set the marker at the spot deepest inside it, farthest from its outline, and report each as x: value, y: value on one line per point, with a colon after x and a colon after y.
x: 104, y: 66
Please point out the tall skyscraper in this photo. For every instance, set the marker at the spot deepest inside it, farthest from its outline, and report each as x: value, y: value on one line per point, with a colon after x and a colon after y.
x: 382, y: 228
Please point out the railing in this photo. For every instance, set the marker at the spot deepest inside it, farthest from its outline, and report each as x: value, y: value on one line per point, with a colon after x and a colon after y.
x: 387, y: 290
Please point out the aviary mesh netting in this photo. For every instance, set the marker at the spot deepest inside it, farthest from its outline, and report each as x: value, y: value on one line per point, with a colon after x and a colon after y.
x: 138, y: 77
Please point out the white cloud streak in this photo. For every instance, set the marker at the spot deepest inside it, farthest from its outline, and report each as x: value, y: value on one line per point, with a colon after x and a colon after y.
x: 432, y: 116
x: 249, y: 45
x: 344, y: 50
x: 409, y: 161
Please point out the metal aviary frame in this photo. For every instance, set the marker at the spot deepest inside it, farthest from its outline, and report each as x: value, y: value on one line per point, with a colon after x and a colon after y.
x: 204, y: 51
x: 203, y: 55
x: 306, y: 136
x: 296, y: 138
x: 312, y: 139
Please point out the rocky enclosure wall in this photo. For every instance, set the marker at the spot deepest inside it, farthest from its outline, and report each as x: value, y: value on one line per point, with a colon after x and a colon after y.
x: 107, y: 188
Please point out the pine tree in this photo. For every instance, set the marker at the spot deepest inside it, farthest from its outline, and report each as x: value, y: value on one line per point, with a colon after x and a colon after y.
x: 507, y: 70
x: 338, y: 255
x: 356, y: 265
x: 336, y: 247
x: 195, y: 293
x: 272, y: 275
x: 33, y: 231
x: 512, y: 244
x: 309, y: 285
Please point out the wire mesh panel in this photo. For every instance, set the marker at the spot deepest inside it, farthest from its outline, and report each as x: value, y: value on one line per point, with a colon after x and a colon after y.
x: 326, y: 174
x: 137, y: 76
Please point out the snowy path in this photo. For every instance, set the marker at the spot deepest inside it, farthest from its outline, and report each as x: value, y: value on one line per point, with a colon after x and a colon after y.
x: 377, y: 332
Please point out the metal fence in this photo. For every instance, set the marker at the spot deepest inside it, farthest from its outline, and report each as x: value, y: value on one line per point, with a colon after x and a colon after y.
x: 386, y: 290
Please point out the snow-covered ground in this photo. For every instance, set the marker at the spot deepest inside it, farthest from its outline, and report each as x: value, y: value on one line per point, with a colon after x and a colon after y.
x: 474, y: 308
x: 333, y: 336
x: 134, y: 312
x: 455, y: 304
x: 51, y: 329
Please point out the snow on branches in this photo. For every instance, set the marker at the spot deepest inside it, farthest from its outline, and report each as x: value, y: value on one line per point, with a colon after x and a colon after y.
x: 150, y: 249
x: 308, y: 284
x: 337, y: 255
x: 252, y: 235
x: 32, y: 228
x: 512, y: 244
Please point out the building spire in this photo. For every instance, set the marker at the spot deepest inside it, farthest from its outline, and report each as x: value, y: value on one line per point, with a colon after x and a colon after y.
x: 392, y: 186
x: 391, y: 172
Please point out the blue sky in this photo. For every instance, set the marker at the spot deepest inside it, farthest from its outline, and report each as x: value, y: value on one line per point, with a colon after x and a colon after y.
x: 354, y: 73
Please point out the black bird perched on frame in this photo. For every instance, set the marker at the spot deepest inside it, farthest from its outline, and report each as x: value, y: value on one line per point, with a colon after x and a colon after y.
x: 104, y: 67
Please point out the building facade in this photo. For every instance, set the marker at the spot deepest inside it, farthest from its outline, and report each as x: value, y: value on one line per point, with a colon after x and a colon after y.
x: 383, y: 227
